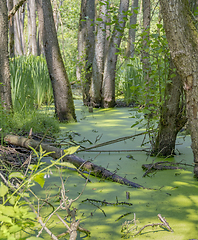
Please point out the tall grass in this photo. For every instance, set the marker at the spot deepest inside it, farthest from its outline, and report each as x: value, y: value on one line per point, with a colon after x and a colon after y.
x: 30, y: 83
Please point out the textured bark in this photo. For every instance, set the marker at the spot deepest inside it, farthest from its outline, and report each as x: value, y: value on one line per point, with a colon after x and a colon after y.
x: 108, y: 86
x: 132, y: 29
x: 5, y: 89
x: 32, y: 26
x: 98, y: 62
x: 145, y: 54
x: 16, y: 8
x: 182, y: 37
x: 86, y: 47
x: 19, y: 31
x: 40, y: 28
x: 63, y: 100
x: 11, y: 30
x: 172, y: 118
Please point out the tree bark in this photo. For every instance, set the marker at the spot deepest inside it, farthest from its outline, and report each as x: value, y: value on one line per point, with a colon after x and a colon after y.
x: 32, y: 25
x: 40, y: 28
x: 145, y: 48
x: 182, y: 38
x: 173, y: 116
x: 108, y: 85
x: 75, y: 160
x: 11, y: 30
x: 132, y: 29
x: 18, y: 31
x: 64, y: 105
x: 98, y: 62
x: 5, y: 87
x: 86, y: 42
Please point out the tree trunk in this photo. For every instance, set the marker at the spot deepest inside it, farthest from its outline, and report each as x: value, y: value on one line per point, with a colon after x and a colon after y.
x: 108, y: 85
x: 132, y: 29
x: 86, y: 47
x: 5, y: 88
x: 11, y: 30
x: 33, y: 31
x: 173, y: 116
x: 40, y: 28
x: 98, y: 62
x: 18, y: 31
x: 64, y: 105
x: 182, y: 38
x: 145, y: 47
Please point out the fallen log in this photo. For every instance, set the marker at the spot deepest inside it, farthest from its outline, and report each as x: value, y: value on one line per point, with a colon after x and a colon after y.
x: 78, y: 162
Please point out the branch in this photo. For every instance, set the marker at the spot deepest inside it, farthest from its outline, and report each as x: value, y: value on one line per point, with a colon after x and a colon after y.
x: 87, y: 166
x: 15, y: 8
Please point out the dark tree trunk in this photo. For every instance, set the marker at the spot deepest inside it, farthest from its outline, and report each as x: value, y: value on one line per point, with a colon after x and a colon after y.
x: 64, y: 105
x: 182, y: 37
x: 5, y: 88
x: 11, y: 30
x: 172, y: 117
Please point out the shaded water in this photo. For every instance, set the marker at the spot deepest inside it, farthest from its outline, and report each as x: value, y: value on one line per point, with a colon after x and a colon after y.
x: 176, y: 191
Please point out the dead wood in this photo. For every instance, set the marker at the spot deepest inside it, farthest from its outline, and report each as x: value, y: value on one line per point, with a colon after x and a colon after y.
x: 78, y: 162
x: 114, y: 141
x: 15, y: 8
x: 159, y: 166
x: 163, y: 223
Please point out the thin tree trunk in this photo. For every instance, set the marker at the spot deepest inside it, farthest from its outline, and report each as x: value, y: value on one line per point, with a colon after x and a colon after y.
x: 132, y: 29
x: 5, y: 88
x: 86, y: 47
x: 145, y: 53
x: 40, y: 28
x: 64, y: 105
x: 182, y: 37
x: 33, y: 28
x: 98, y: 62
x: 108, y: 86
x: 173, y: 116
x: 11, y: 30
x: 18, y: 33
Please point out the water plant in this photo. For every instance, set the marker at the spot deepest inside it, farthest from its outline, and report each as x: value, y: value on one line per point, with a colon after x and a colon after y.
x: 30, y: 83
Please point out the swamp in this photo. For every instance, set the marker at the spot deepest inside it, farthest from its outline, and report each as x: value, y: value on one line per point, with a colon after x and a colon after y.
x: 98, y: 119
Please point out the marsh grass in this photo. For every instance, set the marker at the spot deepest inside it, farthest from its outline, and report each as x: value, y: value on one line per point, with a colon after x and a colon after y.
x: 30, y: 83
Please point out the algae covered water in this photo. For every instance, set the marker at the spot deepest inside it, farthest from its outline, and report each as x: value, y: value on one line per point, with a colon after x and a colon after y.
x: 171, y: 193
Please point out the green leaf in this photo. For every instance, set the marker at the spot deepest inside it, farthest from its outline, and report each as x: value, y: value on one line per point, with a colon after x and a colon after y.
x: 71, y: 150
x: 64, y: 164
x: 17, y: 175
x: 5, y: 219
x: 99, y: 19
x: 39, y: 178
x: 3, y: 190
x: 159, y: 25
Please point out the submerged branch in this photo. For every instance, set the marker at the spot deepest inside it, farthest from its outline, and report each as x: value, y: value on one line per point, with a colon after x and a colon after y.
x: 78, y: 162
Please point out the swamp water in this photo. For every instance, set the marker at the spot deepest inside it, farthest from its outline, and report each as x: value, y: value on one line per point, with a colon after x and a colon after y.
x: 172, y: 193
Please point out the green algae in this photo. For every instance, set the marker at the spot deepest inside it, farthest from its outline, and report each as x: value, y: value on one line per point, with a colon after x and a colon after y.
x: 171, y: 193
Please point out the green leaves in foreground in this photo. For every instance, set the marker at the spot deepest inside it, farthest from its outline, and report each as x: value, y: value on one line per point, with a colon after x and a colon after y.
x: 13, y: 218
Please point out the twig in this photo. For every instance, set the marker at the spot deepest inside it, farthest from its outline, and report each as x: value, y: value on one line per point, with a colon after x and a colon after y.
x: 163, y: 223
x: 114, y: 141
x: 15, y: 8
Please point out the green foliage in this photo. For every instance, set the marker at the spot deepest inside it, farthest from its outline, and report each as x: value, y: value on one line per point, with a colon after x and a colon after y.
x: 30, y: 83
x: 13, y: 217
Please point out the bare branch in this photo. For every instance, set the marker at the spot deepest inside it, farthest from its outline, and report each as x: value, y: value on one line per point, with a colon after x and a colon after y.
x: 15, y: 8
